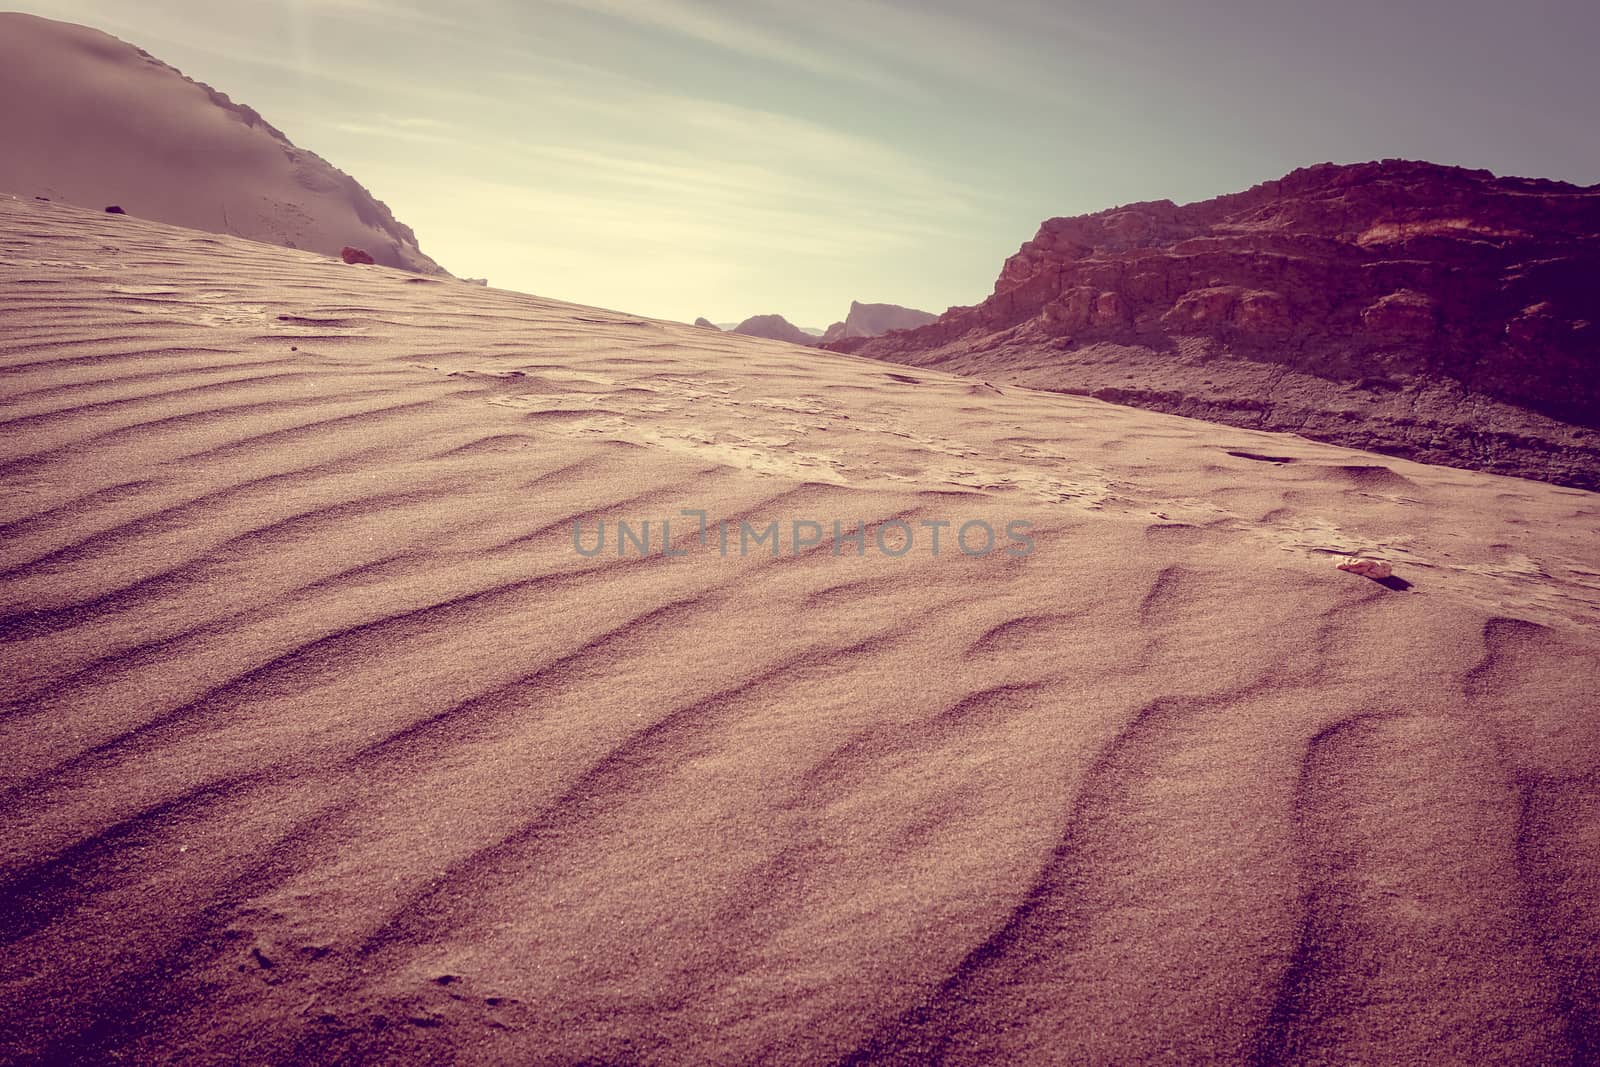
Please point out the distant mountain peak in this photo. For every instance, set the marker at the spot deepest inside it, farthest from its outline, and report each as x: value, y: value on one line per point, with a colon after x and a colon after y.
x: 774, y: 328
x: 875, y: 320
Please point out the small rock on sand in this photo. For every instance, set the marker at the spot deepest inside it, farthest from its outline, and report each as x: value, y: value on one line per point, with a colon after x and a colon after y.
x: 1367, y: 568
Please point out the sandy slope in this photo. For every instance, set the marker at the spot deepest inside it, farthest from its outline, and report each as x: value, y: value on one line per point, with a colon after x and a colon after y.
x: 321, y: 739
x: 93, y: 121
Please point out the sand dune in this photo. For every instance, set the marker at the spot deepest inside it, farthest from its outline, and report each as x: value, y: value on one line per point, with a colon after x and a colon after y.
x: 96, y: 122
x: 322, y: 740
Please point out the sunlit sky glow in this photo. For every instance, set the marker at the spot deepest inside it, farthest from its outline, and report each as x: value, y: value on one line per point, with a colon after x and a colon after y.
x: 693, y: 157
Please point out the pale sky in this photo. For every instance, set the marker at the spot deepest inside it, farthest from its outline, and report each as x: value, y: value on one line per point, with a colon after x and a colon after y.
x: 677, y: 158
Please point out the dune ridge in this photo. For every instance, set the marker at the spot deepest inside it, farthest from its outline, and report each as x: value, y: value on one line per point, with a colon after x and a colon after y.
x: 105, y: 124
x: 324, y: 742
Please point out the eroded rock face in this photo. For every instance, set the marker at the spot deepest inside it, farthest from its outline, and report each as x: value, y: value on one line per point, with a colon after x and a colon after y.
x: 1436, y: 282
x: 1406, y: 315
x: 875, y: 320
x: 1202, y: 311
x: 1111, y: 312
x: 1262, y: 313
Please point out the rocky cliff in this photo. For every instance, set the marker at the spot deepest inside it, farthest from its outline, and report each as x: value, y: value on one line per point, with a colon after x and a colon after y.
x: 1437, y: 313
x: 875, y: 320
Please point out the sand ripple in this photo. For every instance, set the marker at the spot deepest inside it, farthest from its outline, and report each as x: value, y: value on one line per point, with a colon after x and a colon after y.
x: 322, y: 742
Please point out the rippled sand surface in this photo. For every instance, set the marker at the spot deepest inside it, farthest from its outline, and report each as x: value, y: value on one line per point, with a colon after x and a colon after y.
x: 321, y: 739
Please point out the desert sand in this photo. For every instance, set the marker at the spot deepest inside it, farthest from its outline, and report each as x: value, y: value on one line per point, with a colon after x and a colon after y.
x: 322, y: 740
x: 100, y: 123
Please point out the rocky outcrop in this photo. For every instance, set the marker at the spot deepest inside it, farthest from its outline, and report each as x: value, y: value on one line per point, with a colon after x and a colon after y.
x: 864, y: 320
x: 706, y: 324
x: 1433, y: 312
x: 774, y: 328
x: 875, y: 320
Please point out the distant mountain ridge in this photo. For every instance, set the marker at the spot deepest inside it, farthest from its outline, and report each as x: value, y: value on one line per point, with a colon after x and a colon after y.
x: 1432, y: 312
x: 774, y: 328
x: 98, y: 122
x: 875, y: 320
x: 864, y: 320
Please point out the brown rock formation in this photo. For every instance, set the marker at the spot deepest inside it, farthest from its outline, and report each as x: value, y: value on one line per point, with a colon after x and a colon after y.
x: 875, y: 320
x: 1433, y: 312
x: 774, y: 328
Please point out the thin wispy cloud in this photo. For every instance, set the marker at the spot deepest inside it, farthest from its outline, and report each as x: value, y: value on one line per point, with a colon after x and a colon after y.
x: 393, y: 130
x: 732, y: 29
x: 722, y: 157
